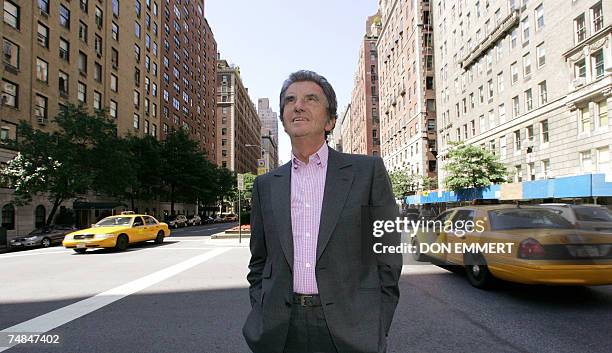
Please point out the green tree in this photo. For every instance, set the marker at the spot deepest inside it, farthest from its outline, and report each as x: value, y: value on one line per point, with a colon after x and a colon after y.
x: 429, y: 183
x: 82, y: 154
x: 144, y: 157
x: 403, y: 183
x: 469, y: 166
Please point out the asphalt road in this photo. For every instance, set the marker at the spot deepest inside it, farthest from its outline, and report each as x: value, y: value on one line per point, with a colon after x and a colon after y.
x: 190, y: 295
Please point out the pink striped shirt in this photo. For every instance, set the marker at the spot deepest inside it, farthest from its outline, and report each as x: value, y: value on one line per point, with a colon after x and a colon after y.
x: 307, y: 188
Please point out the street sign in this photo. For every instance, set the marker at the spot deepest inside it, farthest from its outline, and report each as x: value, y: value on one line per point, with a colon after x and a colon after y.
x: 261, y: 163
x: 261, y: 170
x: 241, y: 182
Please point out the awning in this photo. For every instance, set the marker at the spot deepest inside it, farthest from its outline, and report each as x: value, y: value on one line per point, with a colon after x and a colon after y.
x: 84, y: 205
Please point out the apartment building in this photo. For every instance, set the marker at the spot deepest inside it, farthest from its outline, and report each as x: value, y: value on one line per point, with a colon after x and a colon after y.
x: 346, y: 132
x: 364, y: 97
x: 529, y: 80
x: 269, y: 131
x: 239, y: 124
x: 189, y: 73
x: 56, y: 52
x: 406, y: 83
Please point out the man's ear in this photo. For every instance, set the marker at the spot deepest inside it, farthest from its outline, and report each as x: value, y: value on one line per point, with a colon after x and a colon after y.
x: 331, y: 121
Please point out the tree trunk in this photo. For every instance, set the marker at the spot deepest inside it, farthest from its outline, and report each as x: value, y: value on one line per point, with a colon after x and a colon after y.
x: 172, y: 200
x: 56, y: 203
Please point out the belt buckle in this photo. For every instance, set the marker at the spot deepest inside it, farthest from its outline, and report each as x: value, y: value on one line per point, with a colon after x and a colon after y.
x: 303, y: 299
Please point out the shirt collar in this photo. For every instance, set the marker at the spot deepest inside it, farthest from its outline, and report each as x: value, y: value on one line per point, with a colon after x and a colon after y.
x: 319, y: 158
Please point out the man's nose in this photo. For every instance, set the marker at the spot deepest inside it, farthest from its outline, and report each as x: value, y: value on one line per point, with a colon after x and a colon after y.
x: 299, y: 104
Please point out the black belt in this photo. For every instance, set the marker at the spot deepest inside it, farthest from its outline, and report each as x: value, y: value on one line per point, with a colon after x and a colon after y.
x: 306, y: 299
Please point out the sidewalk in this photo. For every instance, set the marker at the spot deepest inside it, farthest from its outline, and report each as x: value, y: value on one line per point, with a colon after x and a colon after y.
x: 229, y: 240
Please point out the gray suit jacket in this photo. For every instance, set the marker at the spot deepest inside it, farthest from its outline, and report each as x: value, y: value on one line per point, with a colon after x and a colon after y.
x: 359, y: 290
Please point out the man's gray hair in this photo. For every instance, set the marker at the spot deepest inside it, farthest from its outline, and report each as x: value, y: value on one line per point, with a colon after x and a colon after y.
x: 306, y: 75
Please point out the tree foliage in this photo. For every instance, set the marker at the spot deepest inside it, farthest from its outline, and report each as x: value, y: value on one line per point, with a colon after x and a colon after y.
x: 470, y: 166
x: 85, y: 154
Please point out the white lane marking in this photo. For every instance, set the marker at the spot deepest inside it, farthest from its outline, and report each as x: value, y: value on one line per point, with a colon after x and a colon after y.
x: 32, y: 254
x: 59, y: 317
x: 183, y: 248
x: 423, y: 269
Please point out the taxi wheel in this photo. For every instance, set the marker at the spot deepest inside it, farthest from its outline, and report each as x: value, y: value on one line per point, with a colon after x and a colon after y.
x: 416, y: 254
x: 45, y: 243
x: 160, y: 237
x: 122, y: 243
x: 80, y: 251
x: 477, y: 271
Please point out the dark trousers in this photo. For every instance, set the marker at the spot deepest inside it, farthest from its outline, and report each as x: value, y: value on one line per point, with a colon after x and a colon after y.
x: 308, y: 331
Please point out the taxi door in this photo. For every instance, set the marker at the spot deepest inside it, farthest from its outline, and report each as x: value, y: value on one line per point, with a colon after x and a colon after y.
x: 151, y: 228
x: 138, y: 230
x: 459, y: 234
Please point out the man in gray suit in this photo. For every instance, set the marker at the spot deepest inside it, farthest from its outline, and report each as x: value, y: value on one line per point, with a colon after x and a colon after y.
x: 315, y: 284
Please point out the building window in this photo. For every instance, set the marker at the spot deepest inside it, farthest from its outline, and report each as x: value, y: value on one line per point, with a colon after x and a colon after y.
x: 11, y: 14
x: 541, y: 51
x: 115, y: 7
x: 585, y: 119
x: 526, y: 65
x: 501, y: 110
x: 82, y: 92
x: 63, y: 83
x: 97, y: 100
x: 546, y: 172
x: 114, y: 58
x: 482, y: 124
x: 43, y: 35
x: 513, y: 38
x: 543, y: 93
x: 602, y: 113
x: 528, y: 100
x: 112, y: 111
x: 42, y: 70
x: 544, y: 131
x: 99, y: 17
x: 579, y: 29
x: 115, y: 31
x: 136, y: 99
x: 580, y: 69
x: 82, y: 31
x: 603, y: 160
x: 539, y: 15
x: 518, y: 174
x: 97, y: 72
x: 64, y: 49
x: 98, y: 45
x: 525, y: 28
x: 517, y: 140
x: 10, y: 53
x: 113, y: 83
x: 514, y: 72
x: 597, y: 16
x: 136, y: 123
x: 10, y: 94
x: 41, y: 107
x: 531, y: 171
x: 586, y: 162
x: 137, y: 29
x: 490, y: 89
x: 598, y: 64
x: 8, y: 212
x: 146, y: 127
x: 64, y: 16
x: 43, y: 5
x: 82, y: 62
x: 500, y: 82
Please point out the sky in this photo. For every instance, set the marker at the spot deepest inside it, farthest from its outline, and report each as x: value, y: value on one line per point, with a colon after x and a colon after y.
x: 269, y: 39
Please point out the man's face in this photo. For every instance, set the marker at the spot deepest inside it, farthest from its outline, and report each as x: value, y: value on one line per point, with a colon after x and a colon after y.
x: 305, y: 113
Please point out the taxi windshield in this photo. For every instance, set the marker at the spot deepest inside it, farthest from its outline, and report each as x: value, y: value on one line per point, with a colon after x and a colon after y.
x: 115, y: 221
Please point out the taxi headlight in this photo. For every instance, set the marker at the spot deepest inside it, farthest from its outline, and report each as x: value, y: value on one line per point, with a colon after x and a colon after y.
x: 103, y: 236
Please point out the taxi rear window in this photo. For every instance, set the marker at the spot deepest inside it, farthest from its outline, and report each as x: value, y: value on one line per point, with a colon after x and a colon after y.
x: 528, y: 218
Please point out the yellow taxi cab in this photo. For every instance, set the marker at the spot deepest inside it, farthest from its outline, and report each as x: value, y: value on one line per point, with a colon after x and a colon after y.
x: 524, y: 244
x: 117, y: 232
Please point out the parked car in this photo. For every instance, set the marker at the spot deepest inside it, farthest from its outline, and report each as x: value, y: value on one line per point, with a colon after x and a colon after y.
x: 230, y: 217
x: 208, y: 220
x: 45, y: 236
x: 546, y: 248
x: 177, y: 221
x: 117, y: 232
x: 587, y: 216
x: 194, y: 221
x: 411, y: 214
x: 219, y: 219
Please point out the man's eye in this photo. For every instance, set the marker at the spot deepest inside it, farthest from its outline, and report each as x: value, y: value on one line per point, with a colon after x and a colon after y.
x: 290, y: 99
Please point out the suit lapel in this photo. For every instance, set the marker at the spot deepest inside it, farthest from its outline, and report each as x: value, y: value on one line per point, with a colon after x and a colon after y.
x: 338, y: 182
x: 281, y: 201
